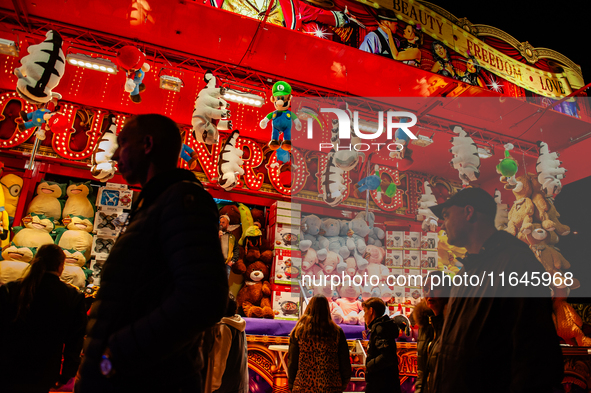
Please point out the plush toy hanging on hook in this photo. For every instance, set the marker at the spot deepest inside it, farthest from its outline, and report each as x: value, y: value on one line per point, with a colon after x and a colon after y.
x: 133, y: 61
x: 230, y: 163
x: 281, y: 117
x: 507, y: 168
x: 427, y: 200
x: 549, y: 171
x: 466, y: 159
x: 210, y: 107
x: 41, y: 70
x: 45, y: 118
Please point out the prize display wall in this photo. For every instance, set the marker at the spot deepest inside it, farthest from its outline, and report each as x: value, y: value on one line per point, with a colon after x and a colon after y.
x: 480, y: 100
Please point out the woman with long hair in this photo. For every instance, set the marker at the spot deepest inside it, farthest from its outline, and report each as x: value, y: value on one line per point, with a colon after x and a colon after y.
x: 429, y: 314
x: 42, y: 320
x: 318, y: 352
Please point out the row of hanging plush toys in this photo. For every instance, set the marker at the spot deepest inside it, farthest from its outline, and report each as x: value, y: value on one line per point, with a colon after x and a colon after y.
x: 333, y: 247
x: 40, y: 226
x: 534, y: 219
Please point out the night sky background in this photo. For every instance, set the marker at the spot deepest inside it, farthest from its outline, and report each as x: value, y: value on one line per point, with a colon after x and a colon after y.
x: 563, y: 26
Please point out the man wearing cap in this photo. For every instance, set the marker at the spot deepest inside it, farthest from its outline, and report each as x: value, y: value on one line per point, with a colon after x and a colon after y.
x: 496, y: 337
x: 381, y: 41
x: 282, y: 117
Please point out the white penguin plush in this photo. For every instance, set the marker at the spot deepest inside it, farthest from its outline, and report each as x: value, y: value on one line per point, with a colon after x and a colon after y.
x: 502, y: 216
x: 41, y: 70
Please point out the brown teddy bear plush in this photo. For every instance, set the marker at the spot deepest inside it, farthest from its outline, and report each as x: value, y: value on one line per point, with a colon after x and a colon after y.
x: 546, y: 213
x: 255, y: 297
x: 539, y: 241
x: 523, y: 209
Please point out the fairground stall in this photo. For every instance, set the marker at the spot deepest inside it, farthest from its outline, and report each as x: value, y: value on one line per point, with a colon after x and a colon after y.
x: 394, y: 107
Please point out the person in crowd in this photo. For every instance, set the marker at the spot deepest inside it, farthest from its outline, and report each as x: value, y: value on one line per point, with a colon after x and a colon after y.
x: 522, y: 353
x: 429, y: 315
x: 318, y: 358
x: 164, y: 281
x: 381, y: 363
x: 229, y: 243
x: 227, y: 367
x: 42, y: 322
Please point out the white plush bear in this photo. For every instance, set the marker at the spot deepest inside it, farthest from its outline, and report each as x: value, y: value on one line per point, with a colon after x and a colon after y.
x: 427, y: 200
x: 229, y: 164
x: 41, y: 70
x: 358, y: 230
x: 332, y: 182
x: 466, y: 159
x: 103, y: 167
x: 311, y: 229
x: 502, y: 216
x: 332, y: 228
x: 549, y: 171
x: 209, y: 108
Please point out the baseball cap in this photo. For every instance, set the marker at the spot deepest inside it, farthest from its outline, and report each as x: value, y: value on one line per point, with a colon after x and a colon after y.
x: 281, y: 89
x: 479, y: 199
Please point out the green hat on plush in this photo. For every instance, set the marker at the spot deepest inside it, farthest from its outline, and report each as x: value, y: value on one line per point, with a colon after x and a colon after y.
x: 281, y: 89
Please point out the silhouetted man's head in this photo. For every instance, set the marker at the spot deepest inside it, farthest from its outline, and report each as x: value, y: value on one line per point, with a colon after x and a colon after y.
x: 148, y: 144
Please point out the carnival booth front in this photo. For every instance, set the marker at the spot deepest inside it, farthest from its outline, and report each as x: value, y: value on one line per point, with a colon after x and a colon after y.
x: 323, y: 130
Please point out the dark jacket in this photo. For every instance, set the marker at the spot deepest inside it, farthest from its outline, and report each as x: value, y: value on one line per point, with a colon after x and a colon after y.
x: 162, y: 285
x: 315, y: 366
x: 499, y: 338
x: 381, y: 363
x: 31, y: 348
x: 430, y: 327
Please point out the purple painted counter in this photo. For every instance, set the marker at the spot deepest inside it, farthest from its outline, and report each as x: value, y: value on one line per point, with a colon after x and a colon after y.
x: 277, y: 327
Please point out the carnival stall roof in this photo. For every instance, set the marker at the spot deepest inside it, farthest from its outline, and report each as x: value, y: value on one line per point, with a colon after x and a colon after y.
x: 183, y: 39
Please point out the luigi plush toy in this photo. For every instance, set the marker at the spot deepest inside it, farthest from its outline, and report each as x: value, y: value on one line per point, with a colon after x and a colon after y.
x: 281, y: 117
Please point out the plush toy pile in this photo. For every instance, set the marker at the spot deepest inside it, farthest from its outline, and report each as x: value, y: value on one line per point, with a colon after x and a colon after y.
x: 333, y: 247
x: 51, y: 218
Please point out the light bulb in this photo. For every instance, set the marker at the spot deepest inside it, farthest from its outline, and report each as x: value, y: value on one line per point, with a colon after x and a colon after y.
x: 73, y: 61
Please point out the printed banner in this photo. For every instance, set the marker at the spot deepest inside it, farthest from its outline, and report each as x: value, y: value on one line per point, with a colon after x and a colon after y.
x: 554, y: 85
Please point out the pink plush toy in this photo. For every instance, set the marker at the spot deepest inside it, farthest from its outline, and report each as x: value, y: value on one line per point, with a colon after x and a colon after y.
x: 375, y: 255
x: 350, y: 304
x: 309, y: 261
x: 351, y: 267
x: 330, y: 262
x: 336, y: 312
